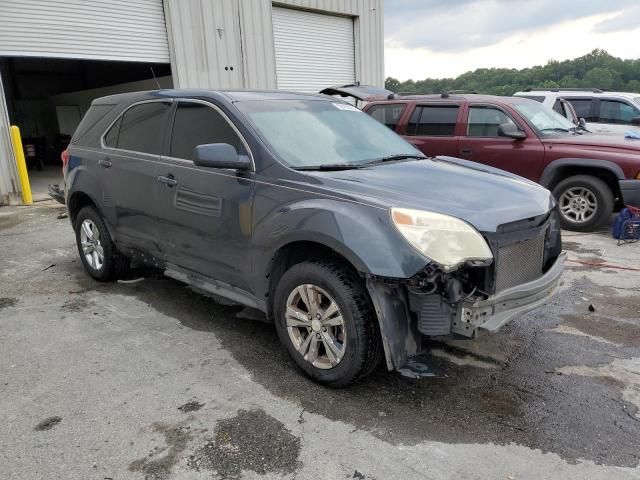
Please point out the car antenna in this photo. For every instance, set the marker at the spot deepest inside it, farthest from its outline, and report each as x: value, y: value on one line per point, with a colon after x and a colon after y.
x: 155, y: 78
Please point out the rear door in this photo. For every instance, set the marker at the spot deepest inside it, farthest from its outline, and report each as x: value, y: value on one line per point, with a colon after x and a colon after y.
x: 481, y: 142
x: 432, y: 128
x: 131, y: 150
x: 204, y: 214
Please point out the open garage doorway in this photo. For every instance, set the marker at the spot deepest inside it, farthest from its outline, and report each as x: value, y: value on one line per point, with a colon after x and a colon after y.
x: 47, y: 97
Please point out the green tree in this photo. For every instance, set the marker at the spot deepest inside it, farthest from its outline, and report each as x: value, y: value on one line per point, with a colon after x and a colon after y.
x: 595, y: 69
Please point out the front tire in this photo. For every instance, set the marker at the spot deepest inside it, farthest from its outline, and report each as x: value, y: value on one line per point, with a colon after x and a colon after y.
x: 584, y: 202
x: 325, y: 320
x: 98, y: 253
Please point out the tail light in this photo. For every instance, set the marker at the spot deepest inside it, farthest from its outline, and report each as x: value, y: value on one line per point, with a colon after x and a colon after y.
x: 64, y: 156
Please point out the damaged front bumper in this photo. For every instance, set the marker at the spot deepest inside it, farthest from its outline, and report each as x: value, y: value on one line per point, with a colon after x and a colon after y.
x: 494, y: 312
x: 400, y: 322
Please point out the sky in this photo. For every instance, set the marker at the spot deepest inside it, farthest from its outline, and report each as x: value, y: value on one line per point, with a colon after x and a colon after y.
x: 445, y: 38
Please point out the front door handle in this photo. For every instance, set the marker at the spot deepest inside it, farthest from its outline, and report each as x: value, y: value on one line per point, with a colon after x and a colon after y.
x: 104, y: 162
x: 169, y: 180
x: 466, y: 151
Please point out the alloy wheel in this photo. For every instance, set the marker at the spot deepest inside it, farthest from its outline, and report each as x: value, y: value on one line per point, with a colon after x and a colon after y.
x: 316, y: 326
x: 91, y: 246
x: 578, y: 204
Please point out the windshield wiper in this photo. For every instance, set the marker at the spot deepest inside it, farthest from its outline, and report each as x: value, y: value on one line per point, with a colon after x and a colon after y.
x: 329, y: 167
x: 577, y: 130
x: 555, y: 129
x: 393, y: 158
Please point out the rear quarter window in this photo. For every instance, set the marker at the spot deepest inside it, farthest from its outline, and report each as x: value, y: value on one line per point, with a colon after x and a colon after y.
x: 90, y: 119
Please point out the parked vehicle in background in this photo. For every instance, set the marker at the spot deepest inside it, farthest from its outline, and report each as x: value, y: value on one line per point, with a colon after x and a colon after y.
x: 612, y: 113
x: 589, y: 174
x: 353, y: 242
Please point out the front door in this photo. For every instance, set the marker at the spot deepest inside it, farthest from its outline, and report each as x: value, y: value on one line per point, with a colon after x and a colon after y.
x: 127, y: 167
x: 204, y: 214
x: 481, y: 143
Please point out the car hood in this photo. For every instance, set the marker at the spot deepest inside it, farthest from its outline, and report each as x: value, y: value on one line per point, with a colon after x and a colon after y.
x: 483, y: 196
x: 596, y: 141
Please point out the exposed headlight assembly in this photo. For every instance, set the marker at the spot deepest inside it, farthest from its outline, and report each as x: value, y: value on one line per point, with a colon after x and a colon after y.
x: 446, y: 240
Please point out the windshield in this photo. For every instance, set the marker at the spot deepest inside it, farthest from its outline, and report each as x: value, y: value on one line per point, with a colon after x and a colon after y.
x: 310, y: 133
x: 545, y: 120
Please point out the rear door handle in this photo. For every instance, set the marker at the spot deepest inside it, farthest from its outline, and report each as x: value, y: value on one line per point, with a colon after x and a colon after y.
x: 105, y: 162
x: 169, y: 180
x: 466, y: 151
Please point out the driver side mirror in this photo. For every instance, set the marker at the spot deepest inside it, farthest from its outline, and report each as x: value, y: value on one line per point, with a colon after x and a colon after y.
x: 635, y: 121
x: 220, y: 155
x: 582, y: 123
x: 509, y: 130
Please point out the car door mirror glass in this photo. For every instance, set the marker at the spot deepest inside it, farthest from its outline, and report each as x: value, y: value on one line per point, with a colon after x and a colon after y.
x: 509, y: 130
x: 220, y: 155
x: 582, y: 123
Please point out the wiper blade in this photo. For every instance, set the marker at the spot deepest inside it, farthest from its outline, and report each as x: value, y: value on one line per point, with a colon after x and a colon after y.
x: 329, y: 167
x: 555, y: 129
x: 392, y: 158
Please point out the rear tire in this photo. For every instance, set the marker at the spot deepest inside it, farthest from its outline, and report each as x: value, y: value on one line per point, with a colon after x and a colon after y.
x: 98, y: 253
x: 584, y: 202
x: 334, y: 349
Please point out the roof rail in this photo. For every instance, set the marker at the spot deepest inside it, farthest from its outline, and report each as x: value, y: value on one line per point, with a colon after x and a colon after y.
x: 447, y: 93
x: 592, y: 90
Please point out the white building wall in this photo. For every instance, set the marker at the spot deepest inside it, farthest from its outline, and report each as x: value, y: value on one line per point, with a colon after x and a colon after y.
x: 193, y: 25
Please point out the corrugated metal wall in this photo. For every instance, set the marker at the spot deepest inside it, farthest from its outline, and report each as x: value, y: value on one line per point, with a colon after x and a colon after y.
x: 91, y: 29
x: 8, y: 173
x: 259, y: 70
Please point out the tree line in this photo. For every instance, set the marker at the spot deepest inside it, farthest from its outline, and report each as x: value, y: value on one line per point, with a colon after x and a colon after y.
x: 597, y: 69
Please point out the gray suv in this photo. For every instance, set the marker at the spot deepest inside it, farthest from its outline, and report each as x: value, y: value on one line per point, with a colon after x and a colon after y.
x: 354, y: 243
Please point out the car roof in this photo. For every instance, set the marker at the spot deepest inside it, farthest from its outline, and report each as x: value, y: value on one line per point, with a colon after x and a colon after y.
x: 230, y: 95
x: 577, y: 93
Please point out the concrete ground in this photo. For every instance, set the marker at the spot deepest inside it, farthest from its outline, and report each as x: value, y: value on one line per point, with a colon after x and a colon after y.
x: 150, y: 380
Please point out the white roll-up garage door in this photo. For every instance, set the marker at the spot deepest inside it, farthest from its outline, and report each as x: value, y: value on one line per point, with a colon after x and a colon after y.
x: 313, y: 50
x: 85, y: 29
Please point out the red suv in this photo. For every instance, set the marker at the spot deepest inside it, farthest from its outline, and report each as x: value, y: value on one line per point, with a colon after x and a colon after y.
x: 588, y: 174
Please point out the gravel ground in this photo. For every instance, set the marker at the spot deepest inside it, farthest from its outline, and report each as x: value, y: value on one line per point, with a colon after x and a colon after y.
x: 151, y: 380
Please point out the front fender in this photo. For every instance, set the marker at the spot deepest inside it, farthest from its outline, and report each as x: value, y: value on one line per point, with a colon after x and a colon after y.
x: 551, y: 171
x: 363, y: 234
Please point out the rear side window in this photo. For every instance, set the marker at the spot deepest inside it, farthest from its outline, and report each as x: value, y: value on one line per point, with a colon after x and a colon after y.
x: 111, y: 137
x: 142, y: 127
x: 387, y: 114
x: 614, y: 111
x: 434, y: 120
x: 197, y: 124
x: 582, y: 106
x: 484, y: 121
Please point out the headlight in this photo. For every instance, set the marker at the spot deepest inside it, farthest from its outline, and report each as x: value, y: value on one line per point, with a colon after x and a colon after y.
x: 446, y: 240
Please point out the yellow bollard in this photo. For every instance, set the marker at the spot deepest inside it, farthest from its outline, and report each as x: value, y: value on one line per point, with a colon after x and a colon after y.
x: 21, y: 163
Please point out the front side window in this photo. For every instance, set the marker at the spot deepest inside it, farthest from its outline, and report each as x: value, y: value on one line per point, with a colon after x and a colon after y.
x: 484, y: 121
x: 434, y: 120
x: 142, y: 127
x: 387, y: 114
x: 614, y: 111
x: 197, y: 124
x: 313, y: 133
